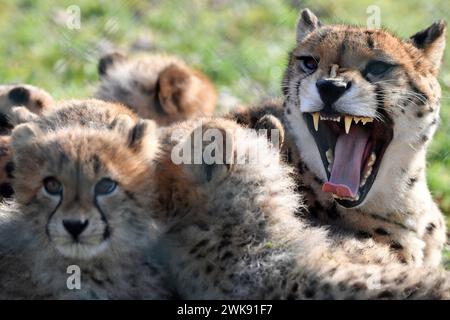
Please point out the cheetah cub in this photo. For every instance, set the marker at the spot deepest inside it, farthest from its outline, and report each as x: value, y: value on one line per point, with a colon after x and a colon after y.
x: 231, y: 232
x: 156, y: 86
x: 32, y: 99
x: 360, y: 108
x: 80, y: 201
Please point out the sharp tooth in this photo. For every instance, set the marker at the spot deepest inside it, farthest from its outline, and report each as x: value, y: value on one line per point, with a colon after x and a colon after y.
x: 329, y: 155
x: 356, y: 119
x: 366, y: 119
x: 348, y: 123
x: 316, y: 119
x: 372, y: 159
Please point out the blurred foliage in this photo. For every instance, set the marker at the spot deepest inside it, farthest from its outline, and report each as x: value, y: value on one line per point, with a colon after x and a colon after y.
x: 241, y: 45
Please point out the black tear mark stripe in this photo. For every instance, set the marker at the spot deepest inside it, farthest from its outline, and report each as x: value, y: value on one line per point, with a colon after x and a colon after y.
x: 107, y: 231
x: 47, y: 231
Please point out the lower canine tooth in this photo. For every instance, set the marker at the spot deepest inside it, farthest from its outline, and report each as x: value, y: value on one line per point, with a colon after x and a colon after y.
x: 329, y: 155
x: 316, y: 118
x: 372, y: 159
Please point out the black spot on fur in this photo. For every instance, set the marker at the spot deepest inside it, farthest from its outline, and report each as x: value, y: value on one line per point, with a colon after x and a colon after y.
x: 200, y: 244
x: 385, y: 295
x: 209, y: 268
x: 333, y: 212
x: 430, y: 228
x: 309, y: 293
x: 396, y: 246
x: 381, y: 232
x: 318, y: 180
x: 227, y: 255
x: 4, y: 122
x: 288, y: 110
x: 19, y: 95
x: 419, y: 114
x: 412, y: 181
x: 363, y: 235
x: 9, y: 169
x: 6, y: 191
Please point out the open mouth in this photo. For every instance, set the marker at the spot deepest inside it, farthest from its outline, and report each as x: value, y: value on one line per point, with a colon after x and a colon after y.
x: 351, y: 148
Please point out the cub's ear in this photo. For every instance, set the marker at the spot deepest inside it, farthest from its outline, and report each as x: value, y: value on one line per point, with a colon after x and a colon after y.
x: 210, y: 153
x: 109, y: 60
x: 24, y: 134
x: 274, y: 129
x: 432, y: 42
x: 143, y: 139
x: 307, y: 23
x: 21, y: 115
x: 173, y: 81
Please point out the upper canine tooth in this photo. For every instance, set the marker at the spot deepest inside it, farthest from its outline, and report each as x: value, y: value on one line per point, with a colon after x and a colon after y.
x: 316, y: 119
x: 348, y: 123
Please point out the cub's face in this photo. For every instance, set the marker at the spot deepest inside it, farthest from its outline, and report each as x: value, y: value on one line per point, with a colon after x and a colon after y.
x: 83, y: 190
x: 358, y: 98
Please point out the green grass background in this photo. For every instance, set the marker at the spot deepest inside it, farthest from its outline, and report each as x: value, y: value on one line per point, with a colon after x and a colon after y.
x: 241, y: 45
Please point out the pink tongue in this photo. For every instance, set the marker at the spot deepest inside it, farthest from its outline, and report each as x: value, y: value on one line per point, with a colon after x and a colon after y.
x: 348, y: 157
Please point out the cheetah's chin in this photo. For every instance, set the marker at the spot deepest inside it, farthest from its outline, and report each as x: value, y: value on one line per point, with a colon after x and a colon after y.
x: 81, y: 251
x: 351, y: 148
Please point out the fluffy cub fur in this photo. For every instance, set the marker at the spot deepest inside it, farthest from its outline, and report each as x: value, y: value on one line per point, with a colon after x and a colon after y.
x: 230, y: 229
x: 156, y: 86
x: 81, y: 187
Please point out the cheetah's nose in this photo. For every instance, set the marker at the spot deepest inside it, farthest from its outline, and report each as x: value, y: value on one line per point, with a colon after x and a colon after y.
x: 75, y: 227
x: 330, y: 90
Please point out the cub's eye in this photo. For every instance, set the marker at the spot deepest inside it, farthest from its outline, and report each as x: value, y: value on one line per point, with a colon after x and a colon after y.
x: 377, y: 68
x: 105, y: 186
x: 52, y: 186
x: 308, y: 64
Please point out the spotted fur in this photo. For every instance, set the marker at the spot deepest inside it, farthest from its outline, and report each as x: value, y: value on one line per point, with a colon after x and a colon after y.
x: 238, y: 230
x: 399, y: 210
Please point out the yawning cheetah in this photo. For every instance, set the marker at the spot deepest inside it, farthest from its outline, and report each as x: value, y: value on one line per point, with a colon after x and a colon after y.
x: 79, y: 178
x: 360, y: 108
x: 156, y: 86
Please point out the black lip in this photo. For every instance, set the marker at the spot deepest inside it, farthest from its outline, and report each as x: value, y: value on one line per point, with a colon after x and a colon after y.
x: 326, y: 139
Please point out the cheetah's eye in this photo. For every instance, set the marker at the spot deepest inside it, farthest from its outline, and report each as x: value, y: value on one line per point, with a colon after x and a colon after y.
x: 377, y: 68
x: 308, y: 64
x: 52, y: 186
x: 105, y: 186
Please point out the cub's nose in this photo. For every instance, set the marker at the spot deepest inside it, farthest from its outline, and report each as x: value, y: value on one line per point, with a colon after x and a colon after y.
x: 332, y: 89
x: 75, y: 227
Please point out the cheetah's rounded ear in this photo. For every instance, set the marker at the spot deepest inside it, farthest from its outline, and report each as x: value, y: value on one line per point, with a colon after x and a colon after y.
x: 109, y: 60
x: 210, y: 153
x: 143, y: 138
x: 24, y: 133
x: 432, y: 42
x: 307, y: 23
